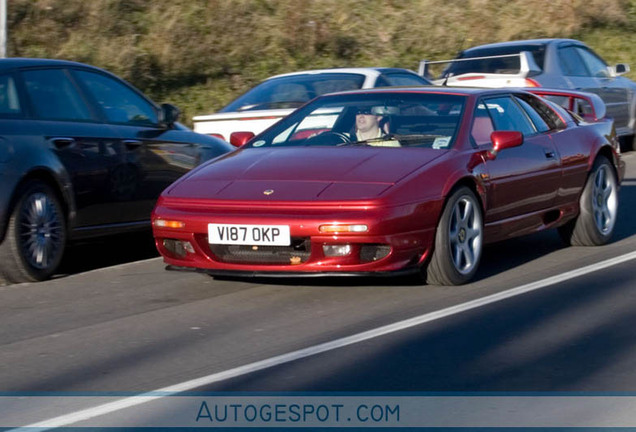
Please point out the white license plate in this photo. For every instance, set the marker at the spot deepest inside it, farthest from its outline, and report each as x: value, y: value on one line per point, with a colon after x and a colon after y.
x: 270, y: 235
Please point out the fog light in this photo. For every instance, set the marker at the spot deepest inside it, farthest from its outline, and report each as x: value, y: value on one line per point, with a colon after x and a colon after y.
x: 336, y: 250
x: 162, y: 223
x: 342, y: 228
x: 370, y: 253
x: 179, y: 248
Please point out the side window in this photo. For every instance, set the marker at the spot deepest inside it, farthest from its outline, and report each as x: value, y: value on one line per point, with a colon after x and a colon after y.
x: 595, y: 65
x: 482, y: 125
x: 119, y: 103
x: 335, y: 84
x: 381, y: 81
x: 507, y: 115
x: 9, y: 101
x: 539, y: 123
x: 553, y: 120
x: 402, y: 79
x: 571, y: 62
x: 286, y: 92
x: 54, y: 97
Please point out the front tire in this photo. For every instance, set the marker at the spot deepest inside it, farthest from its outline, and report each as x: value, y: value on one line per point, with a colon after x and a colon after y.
x: 598, y: 208
x: 458, y: 241
x: 36, y: 235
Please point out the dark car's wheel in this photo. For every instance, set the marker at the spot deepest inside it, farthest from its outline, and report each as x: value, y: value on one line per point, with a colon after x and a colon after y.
x: 36, y: 235
x: 598, y: 208
x: 458, y: 240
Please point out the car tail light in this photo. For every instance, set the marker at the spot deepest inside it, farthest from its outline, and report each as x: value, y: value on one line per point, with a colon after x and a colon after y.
x: 216, y: 135
x: 471, y: 77
x: 532, y: 83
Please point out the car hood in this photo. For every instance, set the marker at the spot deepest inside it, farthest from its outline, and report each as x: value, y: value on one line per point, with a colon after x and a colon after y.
x: 302, y: 173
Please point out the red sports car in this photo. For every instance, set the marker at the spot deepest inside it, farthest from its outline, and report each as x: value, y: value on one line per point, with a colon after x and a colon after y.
x: 393, y: 181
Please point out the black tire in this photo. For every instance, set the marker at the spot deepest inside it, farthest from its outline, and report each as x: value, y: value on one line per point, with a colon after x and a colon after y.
x: 458, y: 240
x: 36, y: 235
x: 598, y: 208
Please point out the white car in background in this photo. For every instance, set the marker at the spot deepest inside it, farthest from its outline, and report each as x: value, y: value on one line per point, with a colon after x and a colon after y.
x: 278, y: 96
x: 550, y: 63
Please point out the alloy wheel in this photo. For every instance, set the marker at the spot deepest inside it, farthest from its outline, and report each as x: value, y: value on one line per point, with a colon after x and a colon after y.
x: 604, y: 199
x: 465, y: 235
x: 40, y: 231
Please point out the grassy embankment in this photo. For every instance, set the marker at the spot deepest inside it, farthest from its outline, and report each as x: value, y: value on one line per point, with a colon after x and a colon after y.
x: 200, y: 54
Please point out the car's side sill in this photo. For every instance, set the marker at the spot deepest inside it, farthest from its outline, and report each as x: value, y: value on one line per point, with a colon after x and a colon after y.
x: 107, y: 229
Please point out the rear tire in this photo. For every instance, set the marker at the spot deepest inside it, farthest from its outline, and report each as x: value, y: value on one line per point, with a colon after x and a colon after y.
x: 458, y: 241
x: 598, y: 208
x: 36, y: 235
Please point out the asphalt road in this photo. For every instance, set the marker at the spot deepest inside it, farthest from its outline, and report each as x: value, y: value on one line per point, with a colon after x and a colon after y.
x: 136, y: 327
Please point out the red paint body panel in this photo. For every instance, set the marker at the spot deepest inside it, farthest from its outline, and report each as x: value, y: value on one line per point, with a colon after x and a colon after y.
x: 397, y: 193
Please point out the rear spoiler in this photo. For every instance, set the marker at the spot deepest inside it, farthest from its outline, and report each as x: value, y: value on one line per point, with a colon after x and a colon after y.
x: 588, y: 105
x: 527, y: 65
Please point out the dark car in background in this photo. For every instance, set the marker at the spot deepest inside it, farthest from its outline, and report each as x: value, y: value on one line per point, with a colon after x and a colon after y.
x: 82, y: 154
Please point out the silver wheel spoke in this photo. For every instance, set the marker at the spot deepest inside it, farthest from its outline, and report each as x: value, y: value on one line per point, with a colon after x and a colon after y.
x: 471, y: 234
x: 468, y: 210
x: 607, y: 191
x: 458, y: 256
x: 468, y: 256
x: 606, y: 217
x: 600, y: 179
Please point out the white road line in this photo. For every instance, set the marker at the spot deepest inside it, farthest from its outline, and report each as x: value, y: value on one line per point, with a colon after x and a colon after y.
x: 131, y: 401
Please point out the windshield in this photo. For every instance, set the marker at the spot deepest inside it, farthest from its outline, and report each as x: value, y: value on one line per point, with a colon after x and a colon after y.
x: 381, y: 119
x: 293, y: 91
x: 494, y: 65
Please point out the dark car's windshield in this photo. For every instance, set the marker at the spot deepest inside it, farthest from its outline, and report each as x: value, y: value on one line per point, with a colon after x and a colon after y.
x: 384, y: 119
x: 494, y: 65
x: 293, y: 91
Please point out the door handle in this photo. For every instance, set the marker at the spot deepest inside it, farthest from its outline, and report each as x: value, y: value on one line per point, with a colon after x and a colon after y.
x: 132, y: 144
x: 549, y: 154
x: 63, y: 142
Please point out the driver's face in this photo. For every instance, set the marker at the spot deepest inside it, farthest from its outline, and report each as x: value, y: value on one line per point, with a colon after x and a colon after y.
x: 367, y: 122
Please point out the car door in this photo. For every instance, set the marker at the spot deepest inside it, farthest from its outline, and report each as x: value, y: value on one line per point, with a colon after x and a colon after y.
x: 522, y: 179
x: 154, y: 155
x: 89, y: 149
x: 585, y: 71
x: 612, y: 91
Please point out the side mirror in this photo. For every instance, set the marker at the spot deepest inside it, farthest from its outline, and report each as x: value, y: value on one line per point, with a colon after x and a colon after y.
x: 239, y: 139
x: 621, y: 69
x: 502, y: 140
x: 168, y: 115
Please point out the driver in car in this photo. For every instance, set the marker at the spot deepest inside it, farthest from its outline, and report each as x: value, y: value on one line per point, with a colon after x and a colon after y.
x: 370, y: 126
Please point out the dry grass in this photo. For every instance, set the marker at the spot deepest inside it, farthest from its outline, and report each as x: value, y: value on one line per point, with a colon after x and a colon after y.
x: 202, y: 53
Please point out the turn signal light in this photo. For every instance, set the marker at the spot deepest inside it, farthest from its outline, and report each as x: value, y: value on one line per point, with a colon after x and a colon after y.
x: 162, y: 223
x: 333, y: 229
